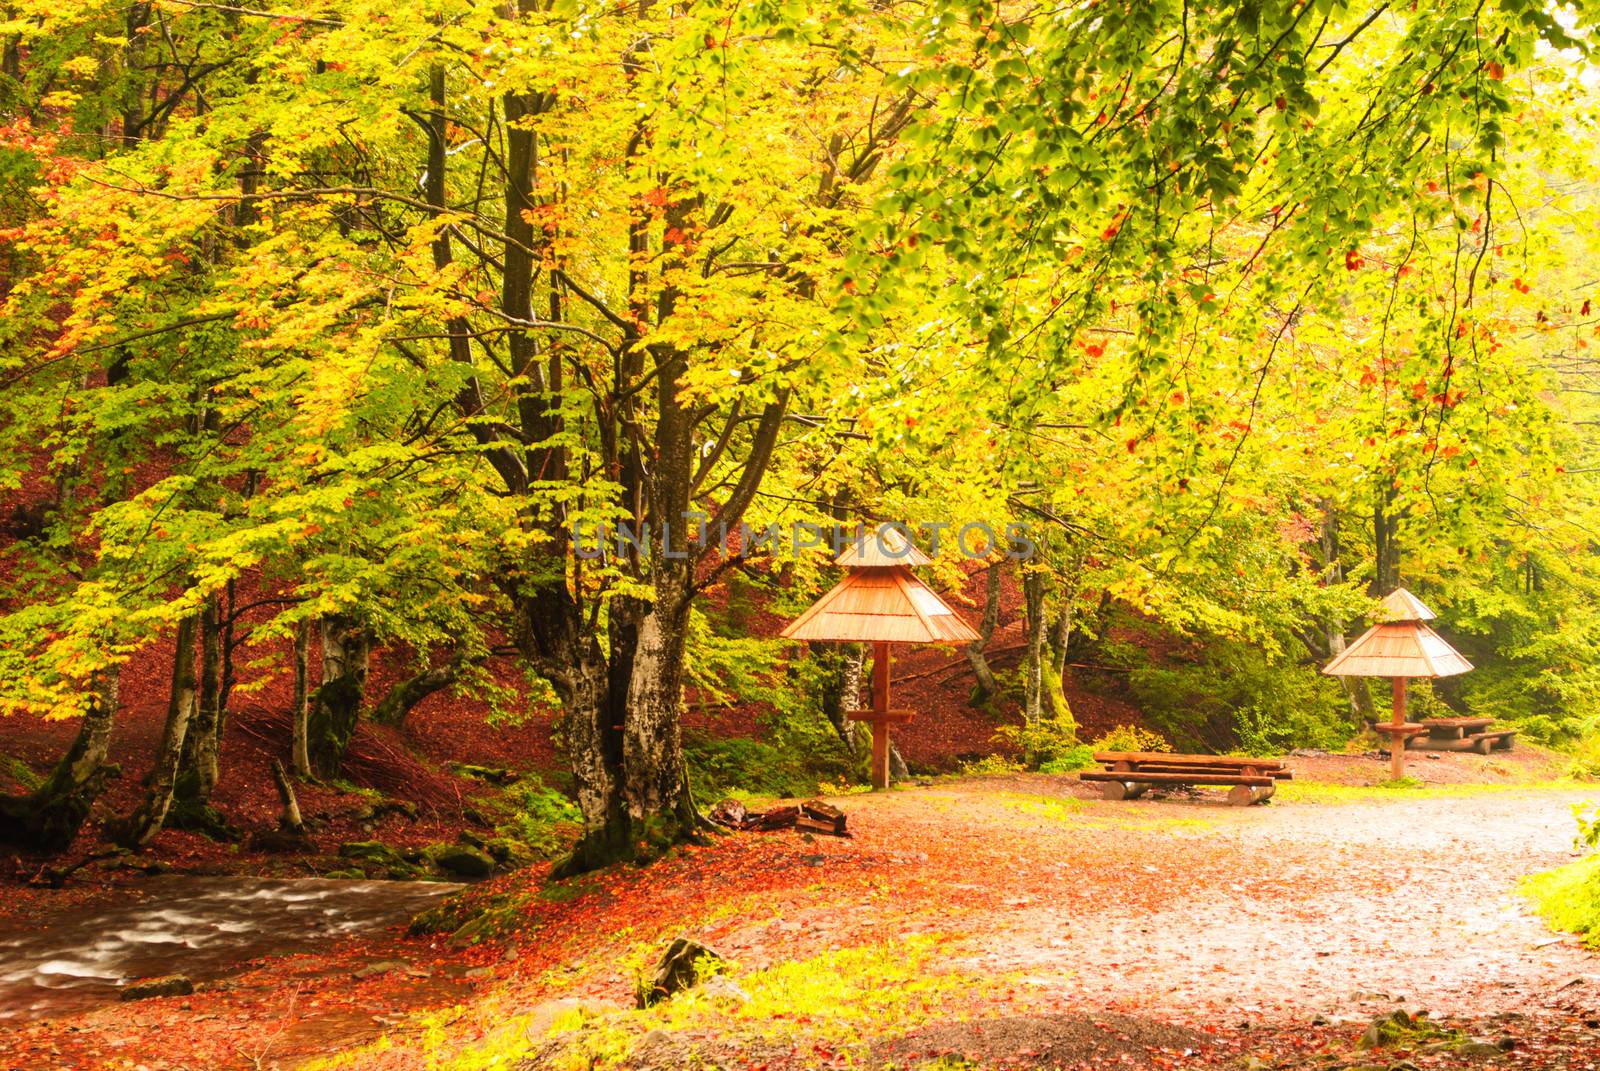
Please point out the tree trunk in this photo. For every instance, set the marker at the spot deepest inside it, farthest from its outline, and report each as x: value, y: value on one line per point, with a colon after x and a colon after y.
x: 399, y: 701
x: 986, y: 686
x: 1356, y: 692
x: 831, y: 657
x: 855, y: 666
x: 299, y: 753
x: 1033, y: 668
x: 147, y: 819
x: 289, y: 821
x: 656, y: 775
x: 202, y: 745
x: 48, y: 819
x: 593, y: 729
x: 1385, y: 545
x: 346, y: 646
x: 898, y: 770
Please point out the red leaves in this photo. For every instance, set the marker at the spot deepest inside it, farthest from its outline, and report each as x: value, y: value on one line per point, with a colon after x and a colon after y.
x: 1352, y: 260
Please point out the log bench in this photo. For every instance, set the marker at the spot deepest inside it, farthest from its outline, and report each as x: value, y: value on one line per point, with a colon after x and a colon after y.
x: 1129, y: 774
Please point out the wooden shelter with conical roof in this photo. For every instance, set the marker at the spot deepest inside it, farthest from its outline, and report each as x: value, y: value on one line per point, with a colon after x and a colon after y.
x: 1400, y: 647
x: 880, y: 601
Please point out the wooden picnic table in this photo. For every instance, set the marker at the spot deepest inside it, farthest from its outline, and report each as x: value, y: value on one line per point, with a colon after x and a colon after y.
x: 1462, y: 734
x: 1129, y: 774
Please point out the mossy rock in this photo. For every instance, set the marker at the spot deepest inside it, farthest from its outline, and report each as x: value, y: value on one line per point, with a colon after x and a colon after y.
x: 470, y: 918
x: 377, y: 853
x: 463, y: 860
x: 348, y: 874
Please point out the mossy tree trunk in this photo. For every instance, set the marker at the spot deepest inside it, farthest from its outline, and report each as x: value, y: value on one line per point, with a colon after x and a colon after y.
x: 331, y: 722
x: 49, y: 818
x: 299, y: 748
x: 201, y: 765
x: 1033, y: 592
x: 400, y: 699
x: 986, y: 685
x: 1356, y: 692
x: 138, y: 828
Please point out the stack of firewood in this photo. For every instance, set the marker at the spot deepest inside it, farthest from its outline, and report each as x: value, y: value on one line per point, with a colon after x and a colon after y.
x: 812, y: 816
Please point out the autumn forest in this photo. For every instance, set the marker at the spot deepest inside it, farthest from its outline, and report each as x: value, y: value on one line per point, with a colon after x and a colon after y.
x: 933, y: 534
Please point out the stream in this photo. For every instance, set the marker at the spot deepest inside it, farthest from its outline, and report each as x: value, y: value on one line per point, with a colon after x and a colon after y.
x: 204, y: 927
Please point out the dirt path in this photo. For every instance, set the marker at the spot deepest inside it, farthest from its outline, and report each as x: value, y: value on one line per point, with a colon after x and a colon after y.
x: 1023, y: 903
x: 1287, y: 910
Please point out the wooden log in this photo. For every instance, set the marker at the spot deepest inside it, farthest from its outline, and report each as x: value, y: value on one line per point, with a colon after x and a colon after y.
x: 1471, y: 724
x: 1245, y: 795
x: 1280, y: 773
x: 1142, y: 757
x: 777, y: 818
x: 806, y: 824
x: 1123, y: 790
x: 826, y: 817
x: 1217, y: 778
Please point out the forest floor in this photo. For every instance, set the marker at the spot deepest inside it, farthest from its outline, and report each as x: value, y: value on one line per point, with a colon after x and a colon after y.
x: 1014, y: 921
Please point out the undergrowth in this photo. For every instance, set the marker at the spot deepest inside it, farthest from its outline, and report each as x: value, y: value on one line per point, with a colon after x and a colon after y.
x: 1569, y: 896
x: 833, y: 998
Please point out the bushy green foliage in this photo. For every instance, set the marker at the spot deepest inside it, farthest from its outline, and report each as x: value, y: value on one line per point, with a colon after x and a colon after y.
x: 1051, y: 740
x: 1585, y: 763
x: 1130, y: 738
x: 1076, y: 757
x: 537, y: 815
x: 1236, y: 697
x: 797, y: 749
x: 1525, y: 618
x: 1569, y: 896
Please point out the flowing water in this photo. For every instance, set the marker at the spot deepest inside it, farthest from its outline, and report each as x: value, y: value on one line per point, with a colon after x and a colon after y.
x: 205, y: 928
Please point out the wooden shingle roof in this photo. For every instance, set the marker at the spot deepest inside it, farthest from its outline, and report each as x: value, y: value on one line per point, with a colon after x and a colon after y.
x: 1401, y: 605
x: 1399, y: 649
x: 885, y: 548
x: 880, y: 604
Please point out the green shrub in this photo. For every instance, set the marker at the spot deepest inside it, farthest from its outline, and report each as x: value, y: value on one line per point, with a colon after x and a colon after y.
x: 1130, y: 738
x: 1077, y: 757
x: 1238, y: 697
x: 1585, y: 762
x: 1569, y: 897
x: 536, y: 816
x: 989, y: 765
x: 722, y: 765
x: 1051, y: 739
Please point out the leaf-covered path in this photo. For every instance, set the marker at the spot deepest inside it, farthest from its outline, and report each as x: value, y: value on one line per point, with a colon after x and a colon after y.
x: 1270, y: 932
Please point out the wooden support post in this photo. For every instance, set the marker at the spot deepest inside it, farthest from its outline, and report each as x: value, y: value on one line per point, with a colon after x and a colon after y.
x: 1397, y: 742
x: 880, y: 724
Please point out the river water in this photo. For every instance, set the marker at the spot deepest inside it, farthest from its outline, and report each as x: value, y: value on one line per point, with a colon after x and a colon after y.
x: 203, y: 927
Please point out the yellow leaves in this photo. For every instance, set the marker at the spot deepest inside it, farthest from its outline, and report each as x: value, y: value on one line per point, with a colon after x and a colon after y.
x: 81, y: 66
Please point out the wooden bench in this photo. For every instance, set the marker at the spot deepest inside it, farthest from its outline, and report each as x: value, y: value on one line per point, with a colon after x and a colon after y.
x: 1129, y: 774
